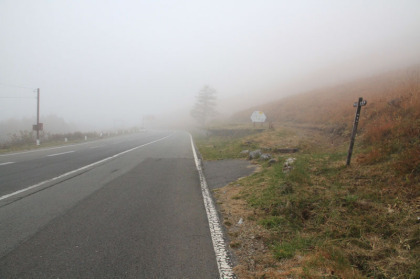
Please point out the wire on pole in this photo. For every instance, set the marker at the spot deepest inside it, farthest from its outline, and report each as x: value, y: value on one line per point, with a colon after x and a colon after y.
x: 17, y: 86
x: 8, y: 97
x: 34, y: 90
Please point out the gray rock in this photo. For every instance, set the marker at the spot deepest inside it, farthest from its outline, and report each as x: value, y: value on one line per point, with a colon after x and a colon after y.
x: 289, y: 161
x: 254, y: 154
x: 288, y: 164
x: 265, y: 157
x: 244, y: 152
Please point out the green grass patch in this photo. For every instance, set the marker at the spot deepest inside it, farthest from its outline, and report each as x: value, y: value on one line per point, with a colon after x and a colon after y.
x: 288, y: 249
x: 219, y: 148
x: 273, y: 222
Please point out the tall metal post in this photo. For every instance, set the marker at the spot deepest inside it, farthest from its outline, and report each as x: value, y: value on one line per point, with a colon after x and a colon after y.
x: 359, y: 105
x: 37, y: 118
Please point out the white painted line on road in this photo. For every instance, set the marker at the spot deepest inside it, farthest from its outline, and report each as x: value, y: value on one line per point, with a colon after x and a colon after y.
x: 224, y: 262
x: 58, y: 154
x: 42, y: 149
x: 97, y: 146
x: 7, y: 163
x: 79, y: 169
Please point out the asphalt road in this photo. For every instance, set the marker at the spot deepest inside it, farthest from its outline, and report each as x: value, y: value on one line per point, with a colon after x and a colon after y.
x: 126, y: 207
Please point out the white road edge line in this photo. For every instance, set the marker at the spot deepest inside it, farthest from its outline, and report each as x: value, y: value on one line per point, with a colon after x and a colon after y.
x: 7, y: 163
x: 62, y: 153
x: 79, y: 169
x: 224, y: 263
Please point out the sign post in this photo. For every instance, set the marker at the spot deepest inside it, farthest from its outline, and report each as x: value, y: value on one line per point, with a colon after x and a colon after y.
x: 359, y: 105
x: 258, y: 116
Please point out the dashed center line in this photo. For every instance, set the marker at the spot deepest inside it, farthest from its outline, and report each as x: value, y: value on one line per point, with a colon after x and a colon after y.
x: 7, y: 163
x: 58, y: 154
x: 97, y: 146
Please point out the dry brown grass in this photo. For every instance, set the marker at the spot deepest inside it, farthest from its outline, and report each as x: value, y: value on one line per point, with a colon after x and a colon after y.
x: 334, y: 106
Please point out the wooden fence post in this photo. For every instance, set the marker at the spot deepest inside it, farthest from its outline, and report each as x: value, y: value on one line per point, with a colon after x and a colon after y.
x: 359, y: 105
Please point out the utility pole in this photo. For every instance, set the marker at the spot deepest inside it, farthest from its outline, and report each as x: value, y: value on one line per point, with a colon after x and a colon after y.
x: 359, y: 105
x: 38, y: 126
x: 37, y: 119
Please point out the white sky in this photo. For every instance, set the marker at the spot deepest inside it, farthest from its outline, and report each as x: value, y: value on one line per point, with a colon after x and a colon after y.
x: 99, y: 61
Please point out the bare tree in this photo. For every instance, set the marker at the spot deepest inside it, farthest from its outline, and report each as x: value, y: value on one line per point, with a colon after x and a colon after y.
x: 205, y: 105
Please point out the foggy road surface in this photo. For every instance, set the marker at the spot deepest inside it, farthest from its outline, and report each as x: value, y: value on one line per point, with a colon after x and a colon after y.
x: 126, y: 207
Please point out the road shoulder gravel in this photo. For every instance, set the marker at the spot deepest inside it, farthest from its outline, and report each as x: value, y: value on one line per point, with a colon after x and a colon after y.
x: 222, y: 172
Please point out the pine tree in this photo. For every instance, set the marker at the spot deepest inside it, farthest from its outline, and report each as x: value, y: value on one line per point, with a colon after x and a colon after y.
x: 204, y: 107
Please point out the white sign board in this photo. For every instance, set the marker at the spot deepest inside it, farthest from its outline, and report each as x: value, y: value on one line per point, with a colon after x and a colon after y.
x: 258, y: 116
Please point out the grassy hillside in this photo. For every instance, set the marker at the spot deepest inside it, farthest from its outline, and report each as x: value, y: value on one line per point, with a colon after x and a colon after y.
x: 323, y: 219
x: 389, y: 124
x: 327, y: 106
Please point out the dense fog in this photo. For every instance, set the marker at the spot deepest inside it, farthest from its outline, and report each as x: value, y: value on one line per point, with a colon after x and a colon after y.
x: 104, y: 64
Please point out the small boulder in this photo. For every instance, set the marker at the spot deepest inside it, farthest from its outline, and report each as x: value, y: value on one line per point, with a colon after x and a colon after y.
x: 288, y: 164
x: 265, y: 157
x: 254, y: 154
